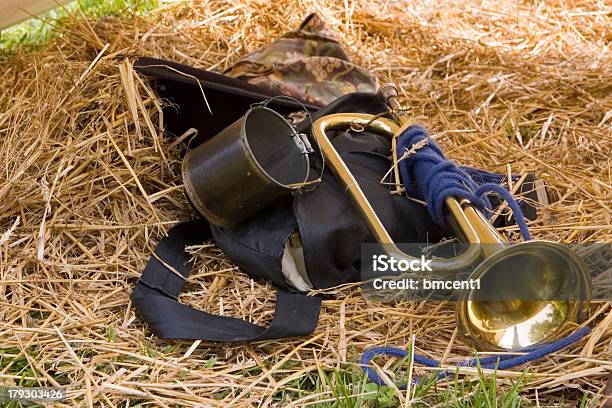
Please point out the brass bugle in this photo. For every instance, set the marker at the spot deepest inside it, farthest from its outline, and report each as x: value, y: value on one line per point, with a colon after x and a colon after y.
x: 547, y: 269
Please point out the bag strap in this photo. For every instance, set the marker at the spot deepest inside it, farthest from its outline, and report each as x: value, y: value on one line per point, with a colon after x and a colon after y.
x: 156, y: 292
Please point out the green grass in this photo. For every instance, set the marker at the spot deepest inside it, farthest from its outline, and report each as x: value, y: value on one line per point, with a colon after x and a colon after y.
x: 36, y: 32
x: 349, y: 387
x: 14, y: 362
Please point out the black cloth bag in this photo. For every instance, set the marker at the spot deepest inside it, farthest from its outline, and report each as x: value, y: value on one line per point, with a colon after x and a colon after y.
x: 331, y: 230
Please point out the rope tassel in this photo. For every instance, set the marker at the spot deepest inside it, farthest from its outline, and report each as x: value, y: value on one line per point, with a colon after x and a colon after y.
x: 429, y: 175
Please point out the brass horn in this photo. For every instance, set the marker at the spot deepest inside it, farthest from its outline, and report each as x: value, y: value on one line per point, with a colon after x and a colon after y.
x: 557, y: 278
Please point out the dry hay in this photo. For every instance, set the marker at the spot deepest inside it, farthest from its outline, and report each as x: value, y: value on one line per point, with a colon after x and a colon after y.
x: 88, y: 185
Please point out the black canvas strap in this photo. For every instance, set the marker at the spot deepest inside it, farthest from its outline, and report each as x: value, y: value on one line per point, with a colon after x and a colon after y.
x: 155, y: 297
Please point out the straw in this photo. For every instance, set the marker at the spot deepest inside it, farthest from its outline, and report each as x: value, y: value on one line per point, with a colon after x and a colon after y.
x: 89, y: 184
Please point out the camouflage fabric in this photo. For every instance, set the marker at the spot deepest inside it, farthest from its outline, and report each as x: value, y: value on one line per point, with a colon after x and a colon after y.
x: 308, y: 64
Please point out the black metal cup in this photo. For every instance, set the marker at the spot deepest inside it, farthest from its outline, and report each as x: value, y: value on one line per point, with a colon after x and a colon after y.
x: 249, y: 165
